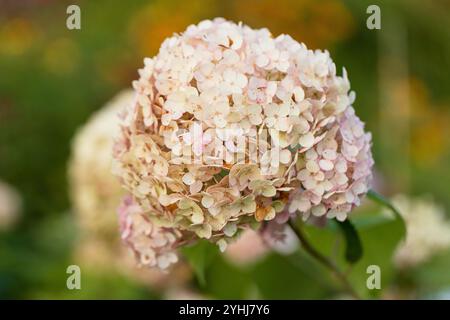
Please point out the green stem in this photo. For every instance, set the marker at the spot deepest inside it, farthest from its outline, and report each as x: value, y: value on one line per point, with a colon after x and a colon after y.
x: 378, y: 198
x: 307, y: 246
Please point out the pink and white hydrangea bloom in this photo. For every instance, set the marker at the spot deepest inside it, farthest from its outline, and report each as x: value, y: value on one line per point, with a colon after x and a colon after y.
x: 336, y: 172
x: 221, y: 81
x: 153, y: 246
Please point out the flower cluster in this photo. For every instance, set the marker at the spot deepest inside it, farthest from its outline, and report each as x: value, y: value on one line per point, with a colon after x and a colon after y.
x: 225, y: 84
x: 151, y: 244
x: 336, y: 171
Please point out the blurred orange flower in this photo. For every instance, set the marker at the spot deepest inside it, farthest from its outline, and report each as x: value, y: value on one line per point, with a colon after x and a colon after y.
x: 160, y: 19
x: 428, y: 122
x: 318, y: 24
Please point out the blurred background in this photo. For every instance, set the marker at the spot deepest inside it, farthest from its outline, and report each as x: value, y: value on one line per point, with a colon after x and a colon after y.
x: 53, y: 80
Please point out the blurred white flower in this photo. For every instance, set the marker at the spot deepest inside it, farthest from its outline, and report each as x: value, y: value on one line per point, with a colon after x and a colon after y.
x: 94, y: 190
x: 428, y: 230
x: 280, y: 237
x: 10, y: 206
x: 184, y: 294
x: 248, y: 248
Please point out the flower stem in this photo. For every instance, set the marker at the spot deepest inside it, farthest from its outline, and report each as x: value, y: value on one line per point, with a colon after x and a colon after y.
x: 307, y: 246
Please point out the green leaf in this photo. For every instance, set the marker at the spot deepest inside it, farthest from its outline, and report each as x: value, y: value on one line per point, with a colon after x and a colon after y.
x: 200, y: 256
x: 229, y: 281
x: 353, y: 246
x: 378, y: 198
x: 286, y: 277
x: 379, y: 234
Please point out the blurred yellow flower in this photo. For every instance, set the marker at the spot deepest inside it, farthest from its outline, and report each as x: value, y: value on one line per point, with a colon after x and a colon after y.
x: 17, y: 35
x: 428, y: 122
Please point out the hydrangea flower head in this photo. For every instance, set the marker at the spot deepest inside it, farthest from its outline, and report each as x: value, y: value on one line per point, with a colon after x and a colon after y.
x: 191, y: 152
